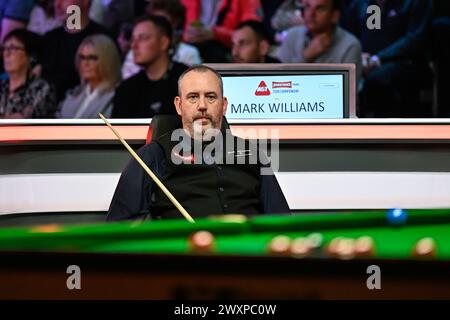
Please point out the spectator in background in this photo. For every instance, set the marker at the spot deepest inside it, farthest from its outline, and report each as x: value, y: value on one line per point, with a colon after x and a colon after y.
x: 287, y: 16
x: 112, y: 13
x: 98, y: 64
x: 152, y: 90
x: 269, y: 8
x: 180, y: 51
x: 42, y: 18
x: 97, y: 10
x: 174, y: 11
x: 21, y: 94
x: 14, y: 14
x: 395, y: 56
x: 124, y: 39
x: 321, y: 40
x: 251, y: 43
x: 61, y: 44
x: 210, y: 24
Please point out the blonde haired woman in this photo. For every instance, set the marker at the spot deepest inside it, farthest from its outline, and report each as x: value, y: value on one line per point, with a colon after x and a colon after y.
x: 98, y: 65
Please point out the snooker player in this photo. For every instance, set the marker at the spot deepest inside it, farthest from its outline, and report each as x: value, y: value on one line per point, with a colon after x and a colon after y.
x: 223, y: 181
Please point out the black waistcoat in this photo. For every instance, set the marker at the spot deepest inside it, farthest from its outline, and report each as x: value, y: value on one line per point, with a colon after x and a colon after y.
x: 212, y: 179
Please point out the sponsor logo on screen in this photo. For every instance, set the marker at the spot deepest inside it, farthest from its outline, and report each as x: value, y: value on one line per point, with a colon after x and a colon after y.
x: 281, y: 84
x: 262, y: 89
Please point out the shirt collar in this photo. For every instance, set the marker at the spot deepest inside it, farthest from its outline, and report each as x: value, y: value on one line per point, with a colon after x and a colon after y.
x: 89, y: 91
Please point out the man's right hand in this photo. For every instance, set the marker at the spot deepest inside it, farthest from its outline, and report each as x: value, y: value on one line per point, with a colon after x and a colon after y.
x: 318, y: 46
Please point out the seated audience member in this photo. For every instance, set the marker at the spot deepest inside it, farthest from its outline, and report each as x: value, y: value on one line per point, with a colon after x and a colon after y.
x: 42, y: 18
x: 98, y: 64
x: 112, y: 13
x: 181, y: 52
x: 152, y: 90
x: 269, y: 7
x: 212, y: 184
x: 174, y: 11
x: 395, y: 56
x: 210, y: 24
x: 251, y: 43
x: 21, y: 94
x: 61, y: 44
x: 321, y: 40
x: 288, y: 15
x: 14, y: 14
x: 124, y: 39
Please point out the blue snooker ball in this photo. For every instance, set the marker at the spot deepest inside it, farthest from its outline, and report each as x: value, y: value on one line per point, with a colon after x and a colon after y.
x: 397, y: 217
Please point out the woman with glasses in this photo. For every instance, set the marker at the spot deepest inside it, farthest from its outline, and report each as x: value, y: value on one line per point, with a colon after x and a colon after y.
x: 22, y: 95
x: 98, y: 64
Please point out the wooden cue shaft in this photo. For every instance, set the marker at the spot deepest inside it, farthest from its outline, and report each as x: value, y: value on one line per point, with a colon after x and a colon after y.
x: 150, y: 173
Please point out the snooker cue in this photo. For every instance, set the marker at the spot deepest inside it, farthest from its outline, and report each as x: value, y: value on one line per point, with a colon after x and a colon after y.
x: 150, y: 172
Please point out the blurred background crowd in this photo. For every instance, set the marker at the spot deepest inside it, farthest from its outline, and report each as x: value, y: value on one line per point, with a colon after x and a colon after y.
x: 125, y: 59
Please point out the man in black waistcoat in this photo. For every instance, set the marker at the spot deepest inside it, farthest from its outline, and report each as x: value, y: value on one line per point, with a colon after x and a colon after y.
x: 207, y: 169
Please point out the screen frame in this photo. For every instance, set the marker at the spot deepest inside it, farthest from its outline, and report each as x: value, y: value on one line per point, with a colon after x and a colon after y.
x: 272, y: 69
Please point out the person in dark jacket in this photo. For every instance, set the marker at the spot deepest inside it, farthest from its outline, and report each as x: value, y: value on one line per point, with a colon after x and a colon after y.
x: 395, y: 56
x: 152, y: 90
x: 207, y: 169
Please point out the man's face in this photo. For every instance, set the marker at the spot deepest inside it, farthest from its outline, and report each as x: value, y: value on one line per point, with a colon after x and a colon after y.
x: 247, y: 47
x: 319, y: 15
x: 200, y: 104
x: 148, y: 44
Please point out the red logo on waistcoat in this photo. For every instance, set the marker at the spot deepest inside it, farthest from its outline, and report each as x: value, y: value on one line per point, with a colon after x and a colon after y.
x: 186, y: 159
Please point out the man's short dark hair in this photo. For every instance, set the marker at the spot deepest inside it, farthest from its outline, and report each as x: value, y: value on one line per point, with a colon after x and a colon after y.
x: 30, y: 40
x: 161, y: 23
x: 258, y: 28
x: 201, y: 68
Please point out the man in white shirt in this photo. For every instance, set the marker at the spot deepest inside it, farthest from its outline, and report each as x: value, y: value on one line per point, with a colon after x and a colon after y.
x: 321, y: 40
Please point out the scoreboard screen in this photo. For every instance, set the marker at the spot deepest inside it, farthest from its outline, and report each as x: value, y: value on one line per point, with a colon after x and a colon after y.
x: 285, y: 96
x: 271, y: 92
